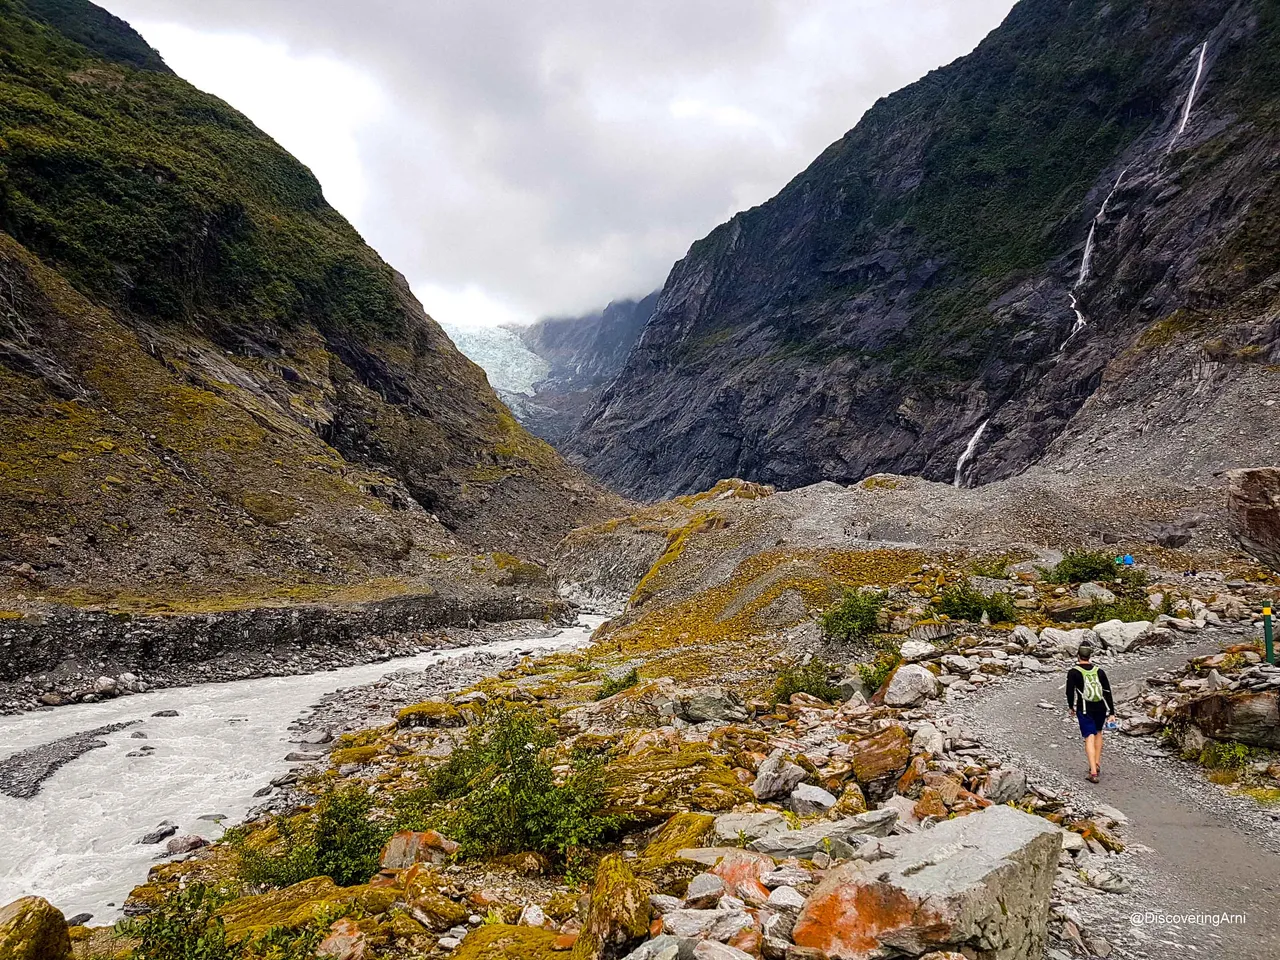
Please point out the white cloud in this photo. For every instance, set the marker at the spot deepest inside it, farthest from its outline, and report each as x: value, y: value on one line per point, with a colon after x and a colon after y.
x: 546, y: 156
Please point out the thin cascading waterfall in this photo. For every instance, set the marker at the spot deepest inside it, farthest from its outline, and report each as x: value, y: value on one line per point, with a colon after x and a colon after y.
x: 1191, y: 95
x: 969, y: 450
x: 1087, y: 260
x: 1088, y: 256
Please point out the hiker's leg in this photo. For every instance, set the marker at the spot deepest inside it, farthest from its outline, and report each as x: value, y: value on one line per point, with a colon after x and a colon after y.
x: 1097, y: 752
x: 1091, y: 748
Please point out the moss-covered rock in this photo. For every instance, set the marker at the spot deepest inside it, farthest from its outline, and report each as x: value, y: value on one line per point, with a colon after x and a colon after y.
x: 33, y: 929
x: 500, y: 941
x: 358, y: 755
x: 660, y: 782
x: 430, y: 714
x: 618, y: 914
x: 296, y: 906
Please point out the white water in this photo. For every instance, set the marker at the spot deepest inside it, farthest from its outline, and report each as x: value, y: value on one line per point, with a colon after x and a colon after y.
x: 1191, y: 96
x: 968, y: 453
x: 74, y: 842
x: 1088, y: 255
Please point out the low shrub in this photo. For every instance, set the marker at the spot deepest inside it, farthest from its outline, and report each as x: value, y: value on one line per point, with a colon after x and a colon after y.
x: 497, y: 794
x: 291, y: 860
x: 1128, y: 609
x: 1084, y: 566
x: 616, y: 685
x: 1225, y: 755
x: 347, y: 839
x: 855, y: 617
x: 962, y: 602
x: 813, y: 678
x: 875, y: 673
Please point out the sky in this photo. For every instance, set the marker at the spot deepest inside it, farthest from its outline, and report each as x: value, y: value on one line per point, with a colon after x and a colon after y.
x: 526, y: 158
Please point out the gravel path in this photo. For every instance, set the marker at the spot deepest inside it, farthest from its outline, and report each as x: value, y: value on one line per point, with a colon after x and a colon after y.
x: 1194, y: 849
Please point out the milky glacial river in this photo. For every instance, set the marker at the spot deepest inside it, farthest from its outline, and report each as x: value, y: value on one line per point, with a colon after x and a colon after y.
x: 74, y: 843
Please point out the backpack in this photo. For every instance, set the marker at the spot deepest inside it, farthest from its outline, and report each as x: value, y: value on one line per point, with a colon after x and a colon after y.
x: 1092, y: 685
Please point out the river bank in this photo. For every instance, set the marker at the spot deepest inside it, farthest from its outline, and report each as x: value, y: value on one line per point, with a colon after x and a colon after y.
x: 85, y: 656
x: 198, y: 757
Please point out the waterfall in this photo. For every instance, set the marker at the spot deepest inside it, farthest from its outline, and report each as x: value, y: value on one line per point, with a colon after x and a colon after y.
x: 968, y: 454
x: 1088, y: 255
x: 1080, y: 323
x: 1191, y: 96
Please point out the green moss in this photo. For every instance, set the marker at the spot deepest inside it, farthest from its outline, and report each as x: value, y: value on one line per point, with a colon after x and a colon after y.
x: 357, y: 755
x: 500, y: 941
x: 681, y: 832
x: 618, y: 913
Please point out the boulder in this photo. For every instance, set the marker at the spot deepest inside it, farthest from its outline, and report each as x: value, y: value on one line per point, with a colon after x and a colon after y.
x: 408, y: 847
x: 840, y: 836
x: 705, y: 891
x: 1024, y: 635
x: 913, y: 650
x: 806, y: 799
x: 711, y: 703
x: 1119, y: 636
x: 33, y: 929
x: 1006, y: 784
x: 1067, y: 642
x: 1253, y: 510
x: 617, y: 915
x: 980, y: 883
x: 659, y: 948
x: 181, y: 845
x: 961, y: 666
x: 163, y: 832
x: 1067, y: 609
x: 1096, y: 593
x: 879, y: 759
x: 911, y: 684
x: 731, y: 827
x: 928, y: 739
x: 1252, y: 718
x: 344, y: 941
x: 777, y: 777
x: 741, y: 871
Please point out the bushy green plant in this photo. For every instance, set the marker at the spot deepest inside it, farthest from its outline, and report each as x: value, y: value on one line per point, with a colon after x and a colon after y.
x: 812, y: 678
x: 1083, y: 566
x: 290, y: 861
x: 1225, y: 756
x: 855, y: 617
x: 347, y: 839
x: 614, y: 685
x: 962, y: 602
x: 183, y: 926
x: 497, y: 793
x: 1128, y: 609
x: 875, y: 673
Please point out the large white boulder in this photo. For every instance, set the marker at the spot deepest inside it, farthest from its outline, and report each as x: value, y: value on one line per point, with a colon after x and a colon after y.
x: 1119, y: 636
x: 911, y: 684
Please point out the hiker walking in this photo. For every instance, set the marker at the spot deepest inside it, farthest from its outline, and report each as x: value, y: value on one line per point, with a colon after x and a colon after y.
x: 1089, y: 696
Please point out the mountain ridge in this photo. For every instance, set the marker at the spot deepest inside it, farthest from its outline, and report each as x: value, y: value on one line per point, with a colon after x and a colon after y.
x: 917, y: 280
x: 210, y: 381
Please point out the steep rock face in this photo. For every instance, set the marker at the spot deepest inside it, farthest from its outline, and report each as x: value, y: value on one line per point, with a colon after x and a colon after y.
x: 206, y: 376
x: 1051, y: 236
x: 583, y: 354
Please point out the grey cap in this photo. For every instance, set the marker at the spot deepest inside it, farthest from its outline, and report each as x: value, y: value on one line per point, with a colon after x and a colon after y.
x: 1085, y: 651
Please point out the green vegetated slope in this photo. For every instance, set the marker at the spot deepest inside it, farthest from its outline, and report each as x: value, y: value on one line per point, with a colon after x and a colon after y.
x: 916, y: 278
x: 205, y: 374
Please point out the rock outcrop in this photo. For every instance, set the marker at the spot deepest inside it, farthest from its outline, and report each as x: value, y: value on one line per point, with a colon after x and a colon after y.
x: 1010, y: 261
x: 980, y: 883
x: 1253, y: 507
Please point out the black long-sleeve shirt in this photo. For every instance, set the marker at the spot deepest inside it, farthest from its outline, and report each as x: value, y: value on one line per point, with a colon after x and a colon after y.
x: 1075, y: 692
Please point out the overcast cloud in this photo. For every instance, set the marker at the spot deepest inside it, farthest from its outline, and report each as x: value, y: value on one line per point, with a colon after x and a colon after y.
x: 518, y: 158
